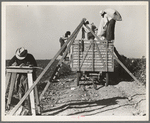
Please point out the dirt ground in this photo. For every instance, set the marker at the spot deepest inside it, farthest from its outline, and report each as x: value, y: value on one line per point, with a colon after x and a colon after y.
x: 65, y: 98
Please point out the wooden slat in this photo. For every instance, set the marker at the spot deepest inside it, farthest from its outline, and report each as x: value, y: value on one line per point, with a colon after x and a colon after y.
x: 37, y: 101
x: 78, y: 57
x: 100, y: 55
x: 8, y: 76
x: 101, y: 49
x: 19, y: 70
x: 96, y: 69
x: 32, y: 99
x: 95, y: 65
x: 89, y: 56
x: 90, y: 53
x: 12, y: 83
x: 95, y: 61
x: 106, y: 56
x: 85, y: 55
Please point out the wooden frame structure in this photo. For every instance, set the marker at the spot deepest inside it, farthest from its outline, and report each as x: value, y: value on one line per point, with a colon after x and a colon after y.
x: 11, y: 77
x: 70, y: 40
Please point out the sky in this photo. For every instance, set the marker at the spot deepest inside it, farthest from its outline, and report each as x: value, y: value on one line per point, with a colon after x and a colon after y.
x: 38, y: 27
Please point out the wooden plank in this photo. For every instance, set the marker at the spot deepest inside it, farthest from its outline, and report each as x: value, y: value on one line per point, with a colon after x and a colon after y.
x: 107, y: 79
x: 106, y: 56
x: 92, y: 55
x: 19, y: 70
x: 37, y: 101
x: 8, y: 76
x: 100, y: 55
x: 95, y: 61
x: 89, y: 56
x: 78, y: 57
x: 90, y: 60
x: 32, y: 99
x: 84, y: 55
x: 95, y: 70
x: 12, y: 83
x: 90, y: 65
x: 46, y: 68
x: 101, y: 50
x: 101, y: 42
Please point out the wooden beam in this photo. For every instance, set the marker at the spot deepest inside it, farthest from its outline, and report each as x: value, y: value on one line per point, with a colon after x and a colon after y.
x: 8, y: 76
x: 46, y: 68
x: 32, y: 99
x: 12, y: 83
x: 79, y: 56
x: 106, y: 56
x: 19, y: 70
x: 85, y: 55
x: 92, y: 55
x: 100, y: 55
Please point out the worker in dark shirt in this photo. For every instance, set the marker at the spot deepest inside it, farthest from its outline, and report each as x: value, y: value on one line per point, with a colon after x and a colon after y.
x: 23, y: 58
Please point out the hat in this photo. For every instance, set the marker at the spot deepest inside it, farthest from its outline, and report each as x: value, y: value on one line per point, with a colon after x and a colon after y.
x: 21, y: 53
x: 101, y: 12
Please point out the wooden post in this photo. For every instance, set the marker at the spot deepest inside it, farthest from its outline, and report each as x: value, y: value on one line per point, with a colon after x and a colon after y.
x: 78, y: 77
x: 92, y: 55
x: 106, y: 56
x: 13, y: 79
x: 8, y: 76
x: 37, y: 100
x: 107, y: 79
x: 79, y: 56
x: 30, y: 83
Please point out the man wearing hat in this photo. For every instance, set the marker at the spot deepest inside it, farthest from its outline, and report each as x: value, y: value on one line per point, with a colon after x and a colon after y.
x: 23, y: 58
x: 105, y: 31
x: 107, y: 24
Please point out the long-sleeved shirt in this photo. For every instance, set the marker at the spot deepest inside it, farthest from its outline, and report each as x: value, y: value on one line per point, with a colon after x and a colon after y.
x: 29, y: 60
x: 103, y: 25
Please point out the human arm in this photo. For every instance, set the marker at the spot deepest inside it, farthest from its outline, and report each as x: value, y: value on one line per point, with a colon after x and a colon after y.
x: 13, y: 62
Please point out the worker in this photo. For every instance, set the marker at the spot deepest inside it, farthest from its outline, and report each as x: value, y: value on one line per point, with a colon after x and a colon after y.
x: 89, y: 34
x: 106, y: 27
x: 93, y: 28
x: 62, y: 41
x: 23, y: 58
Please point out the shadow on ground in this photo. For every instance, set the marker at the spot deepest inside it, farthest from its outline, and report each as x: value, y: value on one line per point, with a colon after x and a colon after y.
x: 81, y: 105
